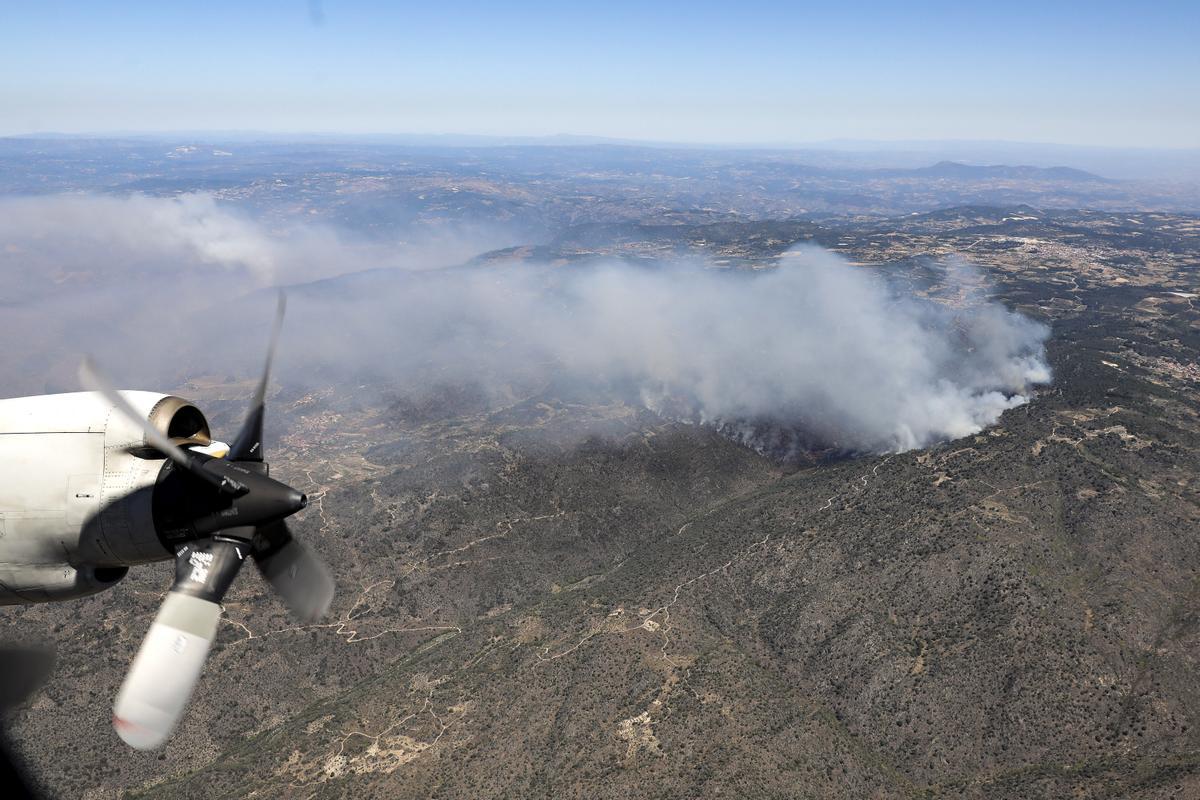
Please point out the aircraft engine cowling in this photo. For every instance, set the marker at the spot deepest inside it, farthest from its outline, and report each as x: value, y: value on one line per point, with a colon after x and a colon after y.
x: 87, y: 412
x: 90, y: 503
x: 176, y: 418
x: 124, y: 527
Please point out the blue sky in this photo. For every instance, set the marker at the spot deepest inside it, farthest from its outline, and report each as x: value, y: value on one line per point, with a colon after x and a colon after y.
x: 1082, y: 73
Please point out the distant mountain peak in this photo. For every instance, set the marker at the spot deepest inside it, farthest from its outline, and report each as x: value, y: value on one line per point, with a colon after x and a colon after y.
x: 958, y: 169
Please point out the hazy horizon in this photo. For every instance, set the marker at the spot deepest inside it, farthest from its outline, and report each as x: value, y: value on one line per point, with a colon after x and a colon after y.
x: 1169, y: 164
x: 846, y: 143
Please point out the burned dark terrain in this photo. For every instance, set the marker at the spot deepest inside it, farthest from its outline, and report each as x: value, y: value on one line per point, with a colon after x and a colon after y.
x: 568, y: 596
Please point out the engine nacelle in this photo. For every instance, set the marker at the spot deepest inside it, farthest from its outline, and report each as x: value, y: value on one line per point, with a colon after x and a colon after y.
x: 88, y: 412
x: 77, y: 479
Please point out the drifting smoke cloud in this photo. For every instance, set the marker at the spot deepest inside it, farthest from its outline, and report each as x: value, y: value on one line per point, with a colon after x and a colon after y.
x: 58, y: 243
x: 86, y: 237
x: 815, y: 354
x: 142, y: 282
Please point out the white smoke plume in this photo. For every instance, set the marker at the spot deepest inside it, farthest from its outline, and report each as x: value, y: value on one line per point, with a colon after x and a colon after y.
x: 815, y: 354
x: 817, y: 346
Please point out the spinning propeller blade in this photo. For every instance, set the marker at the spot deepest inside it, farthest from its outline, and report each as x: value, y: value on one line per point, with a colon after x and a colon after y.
x: 168, y: 665
x: 248, y: 446
x: 295, y: 573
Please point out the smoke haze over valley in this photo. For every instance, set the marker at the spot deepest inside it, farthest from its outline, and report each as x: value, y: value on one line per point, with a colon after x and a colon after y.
x: 814, y: 353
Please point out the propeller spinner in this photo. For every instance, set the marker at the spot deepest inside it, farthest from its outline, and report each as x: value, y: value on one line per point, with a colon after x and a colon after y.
x: 239, y: 511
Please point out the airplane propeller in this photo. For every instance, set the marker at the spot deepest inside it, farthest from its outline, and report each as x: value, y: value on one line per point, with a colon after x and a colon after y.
x: 238, y: 511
